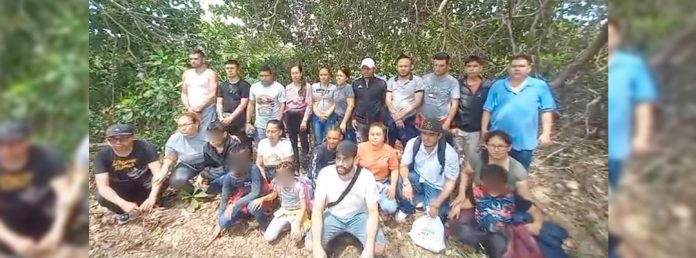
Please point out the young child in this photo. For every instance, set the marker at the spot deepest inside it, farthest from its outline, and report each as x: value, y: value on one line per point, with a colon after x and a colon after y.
x: 240, y: 186
x: 293, y: 204
x: 493, y: 223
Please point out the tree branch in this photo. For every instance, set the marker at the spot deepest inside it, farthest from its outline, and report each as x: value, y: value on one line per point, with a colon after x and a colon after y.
x: 511, y: 7
x: 539, y: 15
x: 675, y: 44
x: 442, y: 6
x: 583, y: 58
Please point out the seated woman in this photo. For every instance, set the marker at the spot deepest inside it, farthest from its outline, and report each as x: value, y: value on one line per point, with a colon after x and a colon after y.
x: 490, y: 222
x: 293, y: 204
x: 240, y: 186
x: 185, y: 149
x: 378, y: 157
x: 273, y: 150
x: 497, y: 144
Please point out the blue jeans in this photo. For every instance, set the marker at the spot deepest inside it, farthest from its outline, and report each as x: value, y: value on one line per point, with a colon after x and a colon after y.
x: 386, y: 205
x: 258, y: 214
x: 615, y: 169
x: 355, y: 225
x: 421, y: 191
x: 319, y: 128
x: 408, y: 132
x: 523, y: 156
x: 270, y: 173
x: 259, y: 135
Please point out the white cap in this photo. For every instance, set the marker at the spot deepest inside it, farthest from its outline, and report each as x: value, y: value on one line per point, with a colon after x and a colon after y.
x: 368, y: 62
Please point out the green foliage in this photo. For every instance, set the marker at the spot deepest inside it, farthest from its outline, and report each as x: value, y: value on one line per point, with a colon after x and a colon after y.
x: 193, y: 199
x: 44, y: 78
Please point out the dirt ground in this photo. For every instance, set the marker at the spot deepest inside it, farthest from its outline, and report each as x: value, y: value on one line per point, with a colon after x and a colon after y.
x: 568, y: 179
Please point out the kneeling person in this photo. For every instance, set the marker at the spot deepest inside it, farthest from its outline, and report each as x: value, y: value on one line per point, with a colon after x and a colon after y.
x: 345, y: 201
x: 127, y: 173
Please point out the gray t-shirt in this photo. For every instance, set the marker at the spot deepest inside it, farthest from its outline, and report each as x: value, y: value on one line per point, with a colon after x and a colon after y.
x: 323, y: 96
x: 403, y: 92
x: 267, y: 102
x: 515, y: 174
x: 290, y: 198
x: 438, y: 94
x: 188, y: 150
x: 342, y: 93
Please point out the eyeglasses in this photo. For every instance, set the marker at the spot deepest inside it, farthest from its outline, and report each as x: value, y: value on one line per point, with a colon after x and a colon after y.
x: 497, y: 147
x: 117, y: 139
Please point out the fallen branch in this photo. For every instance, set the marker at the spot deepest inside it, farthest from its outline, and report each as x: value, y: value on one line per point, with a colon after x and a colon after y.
x: 583, y: 58
x: 587, y: 114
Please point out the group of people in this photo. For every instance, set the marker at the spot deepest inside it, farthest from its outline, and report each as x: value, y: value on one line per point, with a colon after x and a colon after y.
x: 467, y: 148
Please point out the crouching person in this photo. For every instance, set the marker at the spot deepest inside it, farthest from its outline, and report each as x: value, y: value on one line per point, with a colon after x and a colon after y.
x: 293, y: 204
x: 240, y: 186
x: 345, y: 201
x: 127, y: 173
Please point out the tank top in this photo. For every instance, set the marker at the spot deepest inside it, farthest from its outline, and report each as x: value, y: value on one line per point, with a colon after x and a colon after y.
x: 198, y: 87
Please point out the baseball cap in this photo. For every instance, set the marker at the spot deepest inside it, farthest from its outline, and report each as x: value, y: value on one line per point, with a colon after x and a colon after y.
x: 11, y: 130
x: 120, y: 129
x: 369, y: 62
x: 347, y: 148
x: 431, y: 125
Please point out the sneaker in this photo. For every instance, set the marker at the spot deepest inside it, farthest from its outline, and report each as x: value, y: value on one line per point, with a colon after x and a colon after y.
x: 122, y: 218
x: 419, y: 205
x: 400, y: 217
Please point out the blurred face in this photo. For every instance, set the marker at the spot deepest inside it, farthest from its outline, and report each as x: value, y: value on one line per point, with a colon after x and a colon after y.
x: 519, y: 68
x: 324, y: 76
x: 344, y: 164
x: 273, y: 132
x: 285, y: 177
x: 187, y: 126
x: 332, y: 139
x: 376, y: 136
x: 266, y: 77
x: 239, y: 162
x: 497, y: 148
x: 473, y: 68
x: 217, y: 138
x: 430, y: 139
x: 367, y: 72
x: 404, y: 67
x: 14, y: 149
x: 295, y: 74
x: 494, y: 186
x: 341, y: 78
x: 231, y: 71
x: 614, y: 39
x: 121, y: 142
x: 196, y: 60
x: 440, y: 67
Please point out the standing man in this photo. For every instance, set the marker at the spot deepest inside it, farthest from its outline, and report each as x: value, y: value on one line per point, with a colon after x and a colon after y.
x: 473, y: 88
x: 632, y: 96
x: 404, y: 97
x: 370, y: 96
x: 127, y: 173
x: 266, y: 102
x: 513, y: 106
x: 345, y: 201
x: 232, y: 100
x: 199, y: 88
x: 441, y: 95
x: 33, y: 217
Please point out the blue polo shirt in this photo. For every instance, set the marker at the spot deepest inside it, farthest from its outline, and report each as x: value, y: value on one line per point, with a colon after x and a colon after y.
x: 517, y: 114
x: 630, y: 83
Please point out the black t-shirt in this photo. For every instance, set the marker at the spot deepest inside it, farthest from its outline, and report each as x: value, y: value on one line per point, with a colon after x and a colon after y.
x: 369, y: 100
x: 26, y: 196
x: 124, y: 170
x: 470, y: 108
x: 232, y: 95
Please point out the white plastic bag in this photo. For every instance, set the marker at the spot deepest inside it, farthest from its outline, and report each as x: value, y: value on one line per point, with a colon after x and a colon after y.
x: 429, y: 233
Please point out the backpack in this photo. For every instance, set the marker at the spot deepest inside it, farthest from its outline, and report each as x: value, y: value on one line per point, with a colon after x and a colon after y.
x: 441, y: 147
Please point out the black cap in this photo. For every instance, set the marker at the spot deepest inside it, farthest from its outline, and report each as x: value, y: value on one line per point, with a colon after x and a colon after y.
x: 120, y: 129
x: 347, y: 148
x: 431, y: 125
x: 14, y: 130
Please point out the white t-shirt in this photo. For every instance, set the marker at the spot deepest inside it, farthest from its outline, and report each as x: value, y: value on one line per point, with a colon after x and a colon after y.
x: 274, y: 155
x: 267, y: 100
x: 330, y: 186
x: 428, y: 166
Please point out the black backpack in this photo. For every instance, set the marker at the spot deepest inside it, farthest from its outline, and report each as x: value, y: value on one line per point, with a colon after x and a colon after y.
x: 441, y: 147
